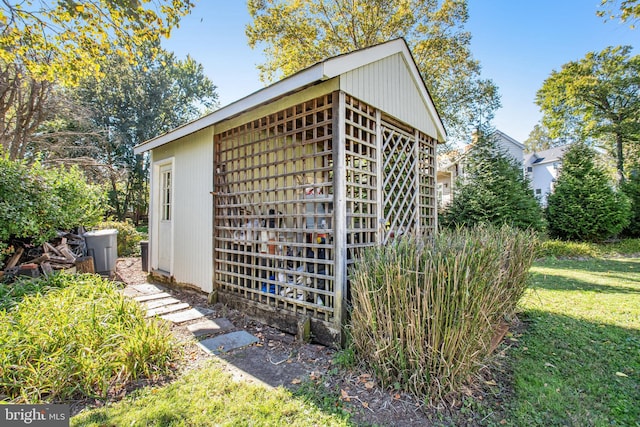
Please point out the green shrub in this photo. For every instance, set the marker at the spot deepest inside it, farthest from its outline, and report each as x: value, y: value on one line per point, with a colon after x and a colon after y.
x: 492, y: 191
x: 128, y: 237
x: 583, y: 205
x: 36, y: 202
x: 632, y: 189
x: 78, y: 337
x: 424, y: 311
x: 567, y: 249
x: 563, y: 248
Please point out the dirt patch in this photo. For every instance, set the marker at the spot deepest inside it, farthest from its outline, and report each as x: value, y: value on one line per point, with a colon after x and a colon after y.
x: 279, y: 360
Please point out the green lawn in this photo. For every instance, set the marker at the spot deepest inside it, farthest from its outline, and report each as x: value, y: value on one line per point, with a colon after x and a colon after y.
x: 210, y: 397
x: 578, y: 362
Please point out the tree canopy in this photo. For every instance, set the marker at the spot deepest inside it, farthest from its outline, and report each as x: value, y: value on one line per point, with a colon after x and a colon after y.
x: 626, y: 10
x: 131, y: 104
x: 597, y: 97
x: 63, y: 40
x: 297, y: 34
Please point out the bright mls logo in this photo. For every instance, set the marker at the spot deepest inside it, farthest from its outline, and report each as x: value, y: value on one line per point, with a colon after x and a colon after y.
x: 34, y: 415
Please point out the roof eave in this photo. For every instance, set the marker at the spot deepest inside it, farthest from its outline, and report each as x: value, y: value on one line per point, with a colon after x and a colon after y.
x: 262, y: 96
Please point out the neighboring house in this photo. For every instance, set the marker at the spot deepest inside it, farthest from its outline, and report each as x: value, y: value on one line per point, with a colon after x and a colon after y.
x: 542, y: 168
x: 265, y: 203
x: 452, y: 167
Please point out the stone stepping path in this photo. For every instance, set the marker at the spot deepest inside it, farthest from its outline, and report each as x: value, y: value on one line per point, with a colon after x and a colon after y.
x: 165, y: 309
x: 158, y: 302
x: 210, y: 327
x: 143, y: 298
x: 184, y: 316
x: 155, y: 303
x: 227, y: 342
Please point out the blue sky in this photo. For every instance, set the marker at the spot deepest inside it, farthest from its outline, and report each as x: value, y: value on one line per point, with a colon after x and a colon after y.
x: 518, y: 44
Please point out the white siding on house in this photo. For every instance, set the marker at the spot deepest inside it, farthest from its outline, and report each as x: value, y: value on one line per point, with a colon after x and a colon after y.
x: 192, y: 207
x: 388, y: 85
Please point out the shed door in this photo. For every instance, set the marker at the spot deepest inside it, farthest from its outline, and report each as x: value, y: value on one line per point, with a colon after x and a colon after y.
x: 165, y: 225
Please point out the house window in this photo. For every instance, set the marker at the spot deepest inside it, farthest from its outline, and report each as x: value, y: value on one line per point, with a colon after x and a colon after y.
x: 555, y: 165
x: 529, y: 169
x: 166, y: 196
x: 538, y: 191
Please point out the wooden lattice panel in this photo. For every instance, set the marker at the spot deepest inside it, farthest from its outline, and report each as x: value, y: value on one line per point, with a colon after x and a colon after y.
x: 273, y: 217
x: 400, y: 182
x: 427, y: 183
x: 361, y: 175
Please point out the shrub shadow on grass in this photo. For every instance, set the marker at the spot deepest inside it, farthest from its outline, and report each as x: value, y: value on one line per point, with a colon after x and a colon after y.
x: 569, y: 371
x: 571, y: 275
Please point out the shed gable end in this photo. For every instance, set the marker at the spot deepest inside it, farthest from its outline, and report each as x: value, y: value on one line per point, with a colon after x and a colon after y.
x: 388, y: 84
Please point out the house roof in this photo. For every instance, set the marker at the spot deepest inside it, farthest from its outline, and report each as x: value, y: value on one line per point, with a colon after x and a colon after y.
x: 319, y: 72
x: 545, y: 156
x: 509, y: 139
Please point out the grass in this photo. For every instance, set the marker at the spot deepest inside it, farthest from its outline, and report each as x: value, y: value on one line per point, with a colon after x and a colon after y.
x: 209, y: 397
x: 425, y: 311
x: 73, y: 336
x: 578, y: 362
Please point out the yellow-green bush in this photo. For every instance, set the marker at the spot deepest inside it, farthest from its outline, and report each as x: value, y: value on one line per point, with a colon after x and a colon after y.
x: 68, y: 337
x: 425, y: 310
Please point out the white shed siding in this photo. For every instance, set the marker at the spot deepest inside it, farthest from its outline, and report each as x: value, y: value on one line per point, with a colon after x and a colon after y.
x: 388, y: 85
x: 193, y: 212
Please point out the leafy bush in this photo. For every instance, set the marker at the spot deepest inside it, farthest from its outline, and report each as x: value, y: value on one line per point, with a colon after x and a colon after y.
x: 493, y: 191
x: 424, y: 311
x: 128, y: 237
x: 36, y: 202
x: 563, y: 248
x: 77, y: 337
x: 567, y: 249
x: 584, y: 206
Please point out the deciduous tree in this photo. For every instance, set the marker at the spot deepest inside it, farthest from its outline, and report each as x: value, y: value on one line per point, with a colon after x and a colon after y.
x: 134, y: 103
x: 57, y: 43
x: 597, y: 97
x: 297, y: 34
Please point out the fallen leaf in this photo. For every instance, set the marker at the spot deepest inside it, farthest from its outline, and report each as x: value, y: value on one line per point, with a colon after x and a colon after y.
x: 365, y: 404
x: 621, y: 374
x: 503, y: 421
x: 345, y: 396
x: 369, y: 385
x: 549, y: 365
x: 296, y: 381
x: 396, y: 396
x: 491, y: 382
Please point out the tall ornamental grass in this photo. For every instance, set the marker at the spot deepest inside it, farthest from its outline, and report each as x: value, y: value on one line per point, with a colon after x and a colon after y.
x: 425, y: 310
x: 77, y: 337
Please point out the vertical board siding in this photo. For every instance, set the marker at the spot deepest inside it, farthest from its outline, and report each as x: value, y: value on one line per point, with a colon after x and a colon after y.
x: 388, y: 85
x: 192, y: 208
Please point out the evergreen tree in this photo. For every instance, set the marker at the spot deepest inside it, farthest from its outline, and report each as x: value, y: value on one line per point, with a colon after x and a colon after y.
x: 584, y: 206
x: 493, y: 190
x: 631, y: 188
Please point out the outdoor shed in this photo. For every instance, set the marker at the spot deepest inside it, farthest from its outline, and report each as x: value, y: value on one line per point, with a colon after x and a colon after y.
x: 267, y: 201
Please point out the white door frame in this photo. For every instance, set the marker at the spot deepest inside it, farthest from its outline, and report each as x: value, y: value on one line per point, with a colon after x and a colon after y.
x: 158, y: 215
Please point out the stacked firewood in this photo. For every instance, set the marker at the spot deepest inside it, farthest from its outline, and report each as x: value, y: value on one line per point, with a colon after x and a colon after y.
x: 65, y: 252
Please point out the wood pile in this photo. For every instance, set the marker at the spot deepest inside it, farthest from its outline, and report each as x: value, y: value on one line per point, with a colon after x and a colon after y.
x: 66, y: 252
